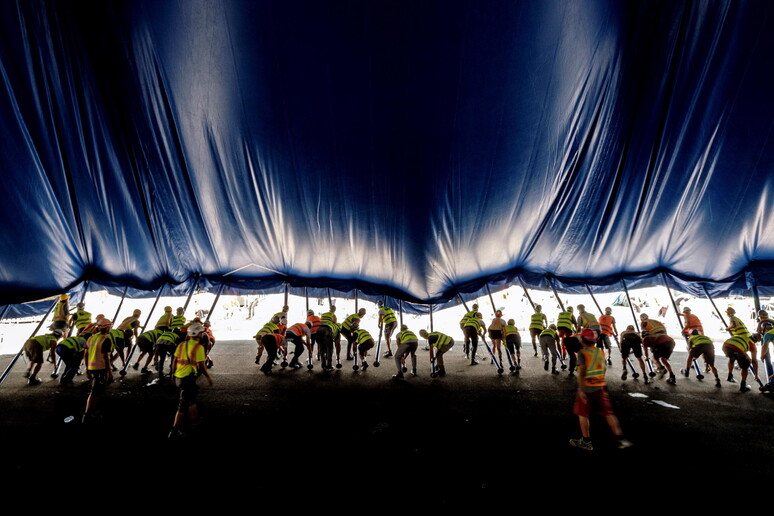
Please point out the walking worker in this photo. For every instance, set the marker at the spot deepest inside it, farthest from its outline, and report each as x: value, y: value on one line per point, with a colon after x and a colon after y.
x: 691, y: 323
x: 591, y: 397
x: 61, y: 314
x: 548, y: 345
x: 407, y: 345
x: 187, y: 365
x: 81, y: 318
x: 537, y: 323
x: 513, y: 342
x: 146, y: 343
x: 34, y: 349
x: 474, y: 327
x: 737, y: 328
x: 387, y: 322
x: 608, y: 329
x: 699, y: 345
x: 439, y: 344
x: 565, y: 328
x: 631, y: 343
x: 468, y: 335
x: 98, y: 349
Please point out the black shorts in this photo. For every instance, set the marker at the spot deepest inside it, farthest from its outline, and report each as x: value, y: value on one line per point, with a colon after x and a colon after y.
x: 496, y: 334
x: 98, y: 381
x: 734, y: 354
x: 513, y: 341
x: 708, y: 350
x: 664, y: 349
x: 535, y: 332
x: 631, y: 346
x: 144, y: 344
x: 188, y: 392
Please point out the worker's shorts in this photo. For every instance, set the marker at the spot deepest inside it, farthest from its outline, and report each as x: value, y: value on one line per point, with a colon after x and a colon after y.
x: 734, y: 354
x: 389, y: 329
x: 34, y: 351
x: 496, y: 334
x: 513, y: 342
x: 188, y: 392
x: 603, y: 341
x: 597, y: 403
x: 365, y: 346
x: 708, y: 350
x: 535, y: 332
x: 145, y: 345
x: 563, y: 333
x: 98, y: 381
x: 633, y: 347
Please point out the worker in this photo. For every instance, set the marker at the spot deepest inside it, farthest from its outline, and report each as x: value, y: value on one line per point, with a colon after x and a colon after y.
x: 208, y: 341
x: 282, y: 314
x: 165, y: 321
x: 387, y: 324
x: 439, y: 344
x: 407, y: 345
x: 325, y: 335
x: 699, y: 345
x: 608, y: 329
x: 737, y: 328
x: 166, y: 344
x: 363, y: 342
x: 314, y: 323
x: 273, y: 343
x: 565, y: 328
x: 80, y: 318
x: 547, y: 341
x: 35, y: 349
x: 513, y: 342
x: 651, y: 327
x: 767, y: 332
x: 474, y: 328
x: 466, y: 335
x: 61, y: 314
x: 98, y: 366
x: 691, y: 323
x: 736, y: 348
x: 178, y: 320
x: 273, y: 326
x: 662, y: 346
x: 187, y: 364
x: 572, y: 346
x: 329, y: 319
x: 591, y: 397
x: 70, y: 350
x: 537, y: 323
x: 348, y: 327
x: 299, y: 334
x: 123, y: 335
x: 763, y: 317
x: 631, y: 343
x: 495, y: 329
x: 146, y: 343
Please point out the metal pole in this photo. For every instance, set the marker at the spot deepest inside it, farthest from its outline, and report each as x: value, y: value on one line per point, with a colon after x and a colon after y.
x: 120, y: 303
x: 355, y: 300
x: 147, y: 321
x: 463, y: 303
x: 330, y: 301
x: 491, y: 299
x: 431, y: 318
x: 196, y: 284
x: 400, y: 311
x: 674, y: 305
x: 526, y: 293
x: 556, y: 294
x: 714, y: 306
x: 158, y: 296
x: 631, y: 306
x: 214, y: 303
x: 588, y: 289
x: 13, y: 362
x: 306, y: 296
x: 756, y: 300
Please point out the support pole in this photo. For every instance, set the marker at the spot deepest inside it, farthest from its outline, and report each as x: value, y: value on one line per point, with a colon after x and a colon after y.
x: 756, y: 300
x: 631, y: 306
x: 193, y: 289
x: 431, y: 318
x: 491, y: 299
x: 306, y: 296
x: 37, y: 328
x: 214, y: 303
x: 674, y: 305
x: 706, y: 293
x: 330, y: 301
x: 588, y: 289
x: 526, y: 293
x: 463, y: 303
x: 400, y: 311
x: 120, y: 304
x: 556, y: 294
x: 286, y: 295
x: 356, y: 309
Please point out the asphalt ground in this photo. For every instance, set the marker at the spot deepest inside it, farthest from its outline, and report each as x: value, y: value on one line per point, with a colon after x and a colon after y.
x: 471, y: 434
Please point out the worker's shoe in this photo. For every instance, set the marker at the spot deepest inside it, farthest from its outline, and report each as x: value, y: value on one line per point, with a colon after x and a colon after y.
x: 474, y: 362
x: 554, y: 371
x: 536, y: 354
x: 175, y: 433
x: 136, y: 366
x: 33, y: 381
x: 582, y: 444
x: 731, y: 378
x: 647, y: 380
x: 414, y: 372
x: 388, y: 355
x: 27, y: 373
x: 717, y: 382
x: 672, y: 379
x: 545, y: 365
x: 685, y: 372
x: 609, y: 362
x: 364, y: 366
x: 624, y: 375
x: 398, y: 376
x: 744, y: 387
x: 144, y: 370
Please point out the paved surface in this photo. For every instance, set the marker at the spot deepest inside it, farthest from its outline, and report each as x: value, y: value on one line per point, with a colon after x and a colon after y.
x: 480, y: 429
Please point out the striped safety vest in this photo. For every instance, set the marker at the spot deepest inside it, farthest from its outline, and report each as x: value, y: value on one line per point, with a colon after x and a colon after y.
x: 510, y: 330
x: 349, y: 321
x: 738, y: 342
x: 388, y: 316
x: 739, y: 328
x: 550, y: 332
x: 696, y: 340
x: 361, y: 336
x: 692, y: 323
x: 536, y: 321
x: 316, y: 322
x: 441, y: 340
x: 606, y: 323
x: 96, y: 352
x: 565, y: 321
x: 595, y: 366
x: 407, y: 336
x: 82, y: 319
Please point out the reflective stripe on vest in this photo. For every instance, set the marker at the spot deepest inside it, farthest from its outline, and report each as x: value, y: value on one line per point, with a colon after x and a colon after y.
x: 165, y: 320
x: 497, y: 324
x: 692, y: 323
x: 329, y: 320
x: 739, y: 328
x: 739, y: 342
x: 595, y: 366
x: 82, y: 319
x: 128, y: 323
x: 298, y: 329
x: 349, y: 321
x: 177, y: 321
x: 61, y: 311
x: 441, y: 341
x: 388, y: 316
x: 536, y: 321
x: 362, y: 336
x: 407, y: 336
x: 589, y: 320
x: 74, y: 343
x: 151, y: 336
x: 96, y: 355
x: 654, y: 327
x: 606, y: 324
x: 696, y: 340
x: 510, y: 330
x: 189, y: 358
x: 565, y: 320
x: 548, y: 331
x: 473, y: 322
x: 316, y: 322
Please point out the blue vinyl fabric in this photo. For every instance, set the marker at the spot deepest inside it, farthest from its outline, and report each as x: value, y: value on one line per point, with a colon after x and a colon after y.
x: 413, y: 149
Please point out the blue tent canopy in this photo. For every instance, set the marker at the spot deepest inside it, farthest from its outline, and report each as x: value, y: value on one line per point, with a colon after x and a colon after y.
x: 413, y: 149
